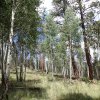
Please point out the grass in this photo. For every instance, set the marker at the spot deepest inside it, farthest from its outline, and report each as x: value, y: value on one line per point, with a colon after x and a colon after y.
x: 39, y: 86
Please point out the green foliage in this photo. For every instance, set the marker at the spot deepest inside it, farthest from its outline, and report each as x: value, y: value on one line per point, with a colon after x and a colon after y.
x: 26, y: 16
x: 95, y: 4
x: 60, y: 7
x: 50, y: 28
x: 71, y: 22
x: 5, y: 12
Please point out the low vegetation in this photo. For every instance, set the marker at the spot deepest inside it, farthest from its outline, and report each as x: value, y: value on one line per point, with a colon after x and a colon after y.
x: 40, y: 86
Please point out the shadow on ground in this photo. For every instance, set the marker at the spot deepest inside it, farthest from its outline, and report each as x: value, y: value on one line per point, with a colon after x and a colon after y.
x: 13, y: 83
x: 26, y: 91
x: 77, y: 96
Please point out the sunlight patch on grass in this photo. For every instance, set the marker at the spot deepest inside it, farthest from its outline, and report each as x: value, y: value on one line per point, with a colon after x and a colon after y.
x: 41, y: 86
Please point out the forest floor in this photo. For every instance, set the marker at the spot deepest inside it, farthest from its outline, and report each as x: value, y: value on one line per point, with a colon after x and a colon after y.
x: 40, y: 86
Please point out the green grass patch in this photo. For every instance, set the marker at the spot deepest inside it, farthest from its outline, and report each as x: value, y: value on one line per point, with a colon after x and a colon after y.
x: 41, y: 86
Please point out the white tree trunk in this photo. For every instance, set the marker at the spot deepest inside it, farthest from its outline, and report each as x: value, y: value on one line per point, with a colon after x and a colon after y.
x: 52, y: 69
x: 9, y: 57
x: 46, y: 66
x: 12, y: 25
x: 70, y: 47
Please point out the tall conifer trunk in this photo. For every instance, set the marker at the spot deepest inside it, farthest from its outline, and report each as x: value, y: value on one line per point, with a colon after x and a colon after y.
x: 75, y: 68
x: 2, y: 63
x: 86, y: 46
